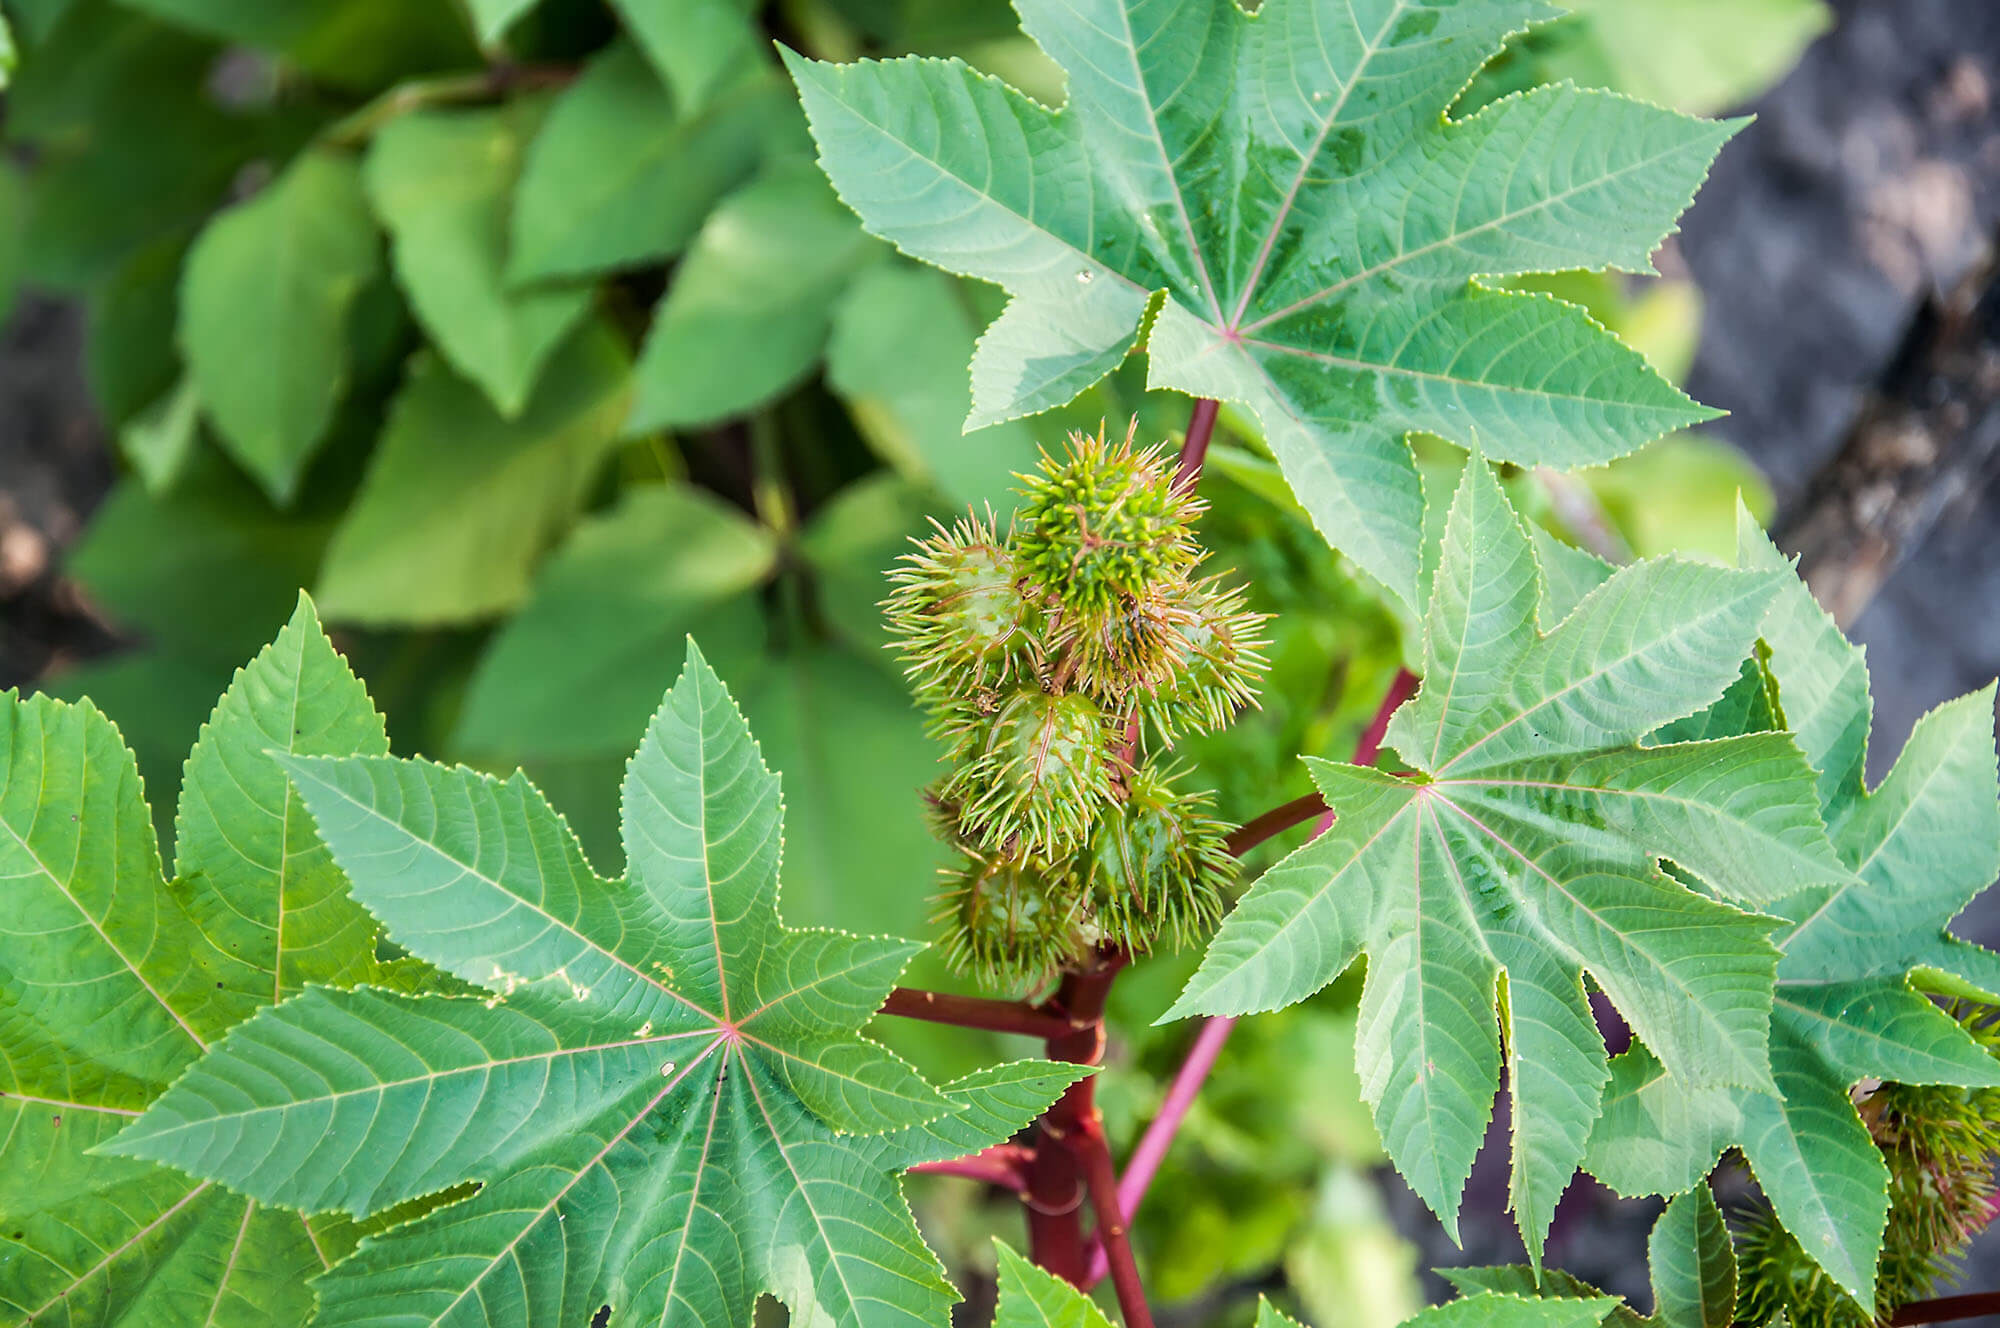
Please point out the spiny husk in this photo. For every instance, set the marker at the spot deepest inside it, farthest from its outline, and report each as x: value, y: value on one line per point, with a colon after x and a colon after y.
x: 1004, y: 923
x: 957, y: 613
x: 1940, y: 1144
x: 1102, y: 524
x: 1156, y: 865
x: 1220, y: 662
x: 1036, y: 774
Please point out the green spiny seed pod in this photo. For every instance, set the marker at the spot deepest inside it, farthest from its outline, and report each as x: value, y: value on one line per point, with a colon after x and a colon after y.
x: 1218, y: 660
x: 1780, y: 1282
x: 1940, y: 1142
x: 1156, y: 865
x: 1133, y: 650
x: 957, y: 612
x: 1035, y: 775
x: 1102, y: 524
x: 1004, y: 924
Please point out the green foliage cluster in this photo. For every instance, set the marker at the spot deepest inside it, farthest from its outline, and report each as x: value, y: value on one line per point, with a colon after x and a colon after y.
x: 1939, y: 1142
x: 1047, y: 659
x: 531, y: 336
x: 490, y: 323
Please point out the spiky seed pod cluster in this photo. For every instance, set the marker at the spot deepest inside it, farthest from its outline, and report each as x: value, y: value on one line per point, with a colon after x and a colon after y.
x: 1940, y: 1144
x: 1152, y: 872
x: 1047, y: 659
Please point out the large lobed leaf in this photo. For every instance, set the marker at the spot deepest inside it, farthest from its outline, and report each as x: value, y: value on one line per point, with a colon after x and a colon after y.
x: 1919, y: 847
x: 1291, y: 184
x: 664, y: 1099
x: 112, y: 983
x: 1524, y: 853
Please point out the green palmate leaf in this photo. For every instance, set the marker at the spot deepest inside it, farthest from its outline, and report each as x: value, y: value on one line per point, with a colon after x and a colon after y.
x: 1317, y: 227
x: 1693, y: 1265
x: 649, y: 1098
x: 1693, y: 1272
x: 583, y: 662
x: 1031, y: 1298
x: 403, y: 555
x: 751, y: 302
x: 697, y: 45
x: 1919, y: 847
x: 1524, y: 853
x: 113, y: 984
x: 896, y: 355
x: 622, y: 174
x: 264, y: 308
x: 440, y: 181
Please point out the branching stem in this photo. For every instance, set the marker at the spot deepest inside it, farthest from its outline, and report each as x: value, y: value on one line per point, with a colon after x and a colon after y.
x: 977, y: 1012
x: 1208, y: 1043
x: 1275, y: 822
x: 1113, y: 1233
x: 1944, y: 1309
x: 1194, y: 451
x: 1005, y: 1165
x: 1055, y: 1178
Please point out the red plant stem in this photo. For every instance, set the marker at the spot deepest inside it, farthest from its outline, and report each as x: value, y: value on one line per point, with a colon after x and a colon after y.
x: 1194, y: 451
x: 1159, y: 1136
x: 1274, y: 822
x: 1113, y: 1234
x: 1946, y: 1308
x: 1004, y: 1165
x: 1055, y: 1177
x: 977, y: 1012
x: 1370, y: 745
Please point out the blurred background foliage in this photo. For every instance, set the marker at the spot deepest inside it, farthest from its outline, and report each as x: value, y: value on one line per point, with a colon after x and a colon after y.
x: 525, y: 334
